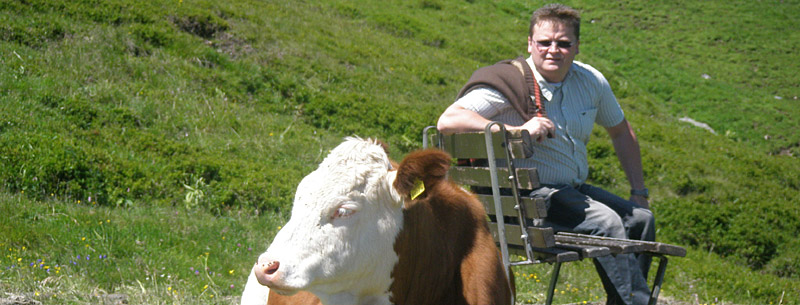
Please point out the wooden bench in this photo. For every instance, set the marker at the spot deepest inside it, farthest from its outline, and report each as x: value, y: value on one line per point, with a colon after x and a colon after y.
x: 485, y: 165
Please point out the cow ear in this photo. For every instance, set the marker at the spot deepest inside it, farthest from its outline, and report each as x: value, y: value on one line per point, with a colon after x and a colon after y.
x: 392, y: 163
x: 421, y: 171
x: 383, y: 145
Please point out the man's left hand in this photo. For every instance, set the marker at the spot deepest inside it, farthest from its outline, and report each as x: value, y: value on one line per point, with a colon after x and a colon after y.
x: 640, y: 200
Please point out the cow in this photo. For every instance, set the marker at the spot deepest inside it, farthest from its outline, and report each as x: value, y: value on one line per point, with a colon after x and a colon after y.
x: 366, y: 231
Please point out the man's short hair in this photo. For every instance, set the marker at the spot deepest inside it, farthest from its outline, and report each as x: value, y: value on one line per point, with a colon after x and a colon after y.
x: 556, y: 12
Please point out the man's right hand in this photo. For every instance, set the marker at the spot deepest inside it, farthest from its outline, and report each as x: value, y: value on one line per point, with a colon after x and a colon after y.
x: 540, y: 128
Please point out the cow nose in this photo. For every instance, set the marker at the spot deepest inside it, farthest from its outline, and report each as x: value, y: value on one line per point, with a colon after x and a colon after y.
x: 272, y: 267
x: 266, y: 271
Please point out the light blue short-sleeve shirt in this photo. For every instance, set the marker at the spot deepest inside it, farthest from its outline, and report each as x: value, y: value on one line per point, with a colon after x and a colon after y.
x: 574, y: 105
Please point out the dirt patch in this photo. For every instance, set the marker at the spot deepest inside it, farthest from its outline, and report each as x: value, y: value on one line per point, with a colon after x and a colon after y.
x: 228, y: 44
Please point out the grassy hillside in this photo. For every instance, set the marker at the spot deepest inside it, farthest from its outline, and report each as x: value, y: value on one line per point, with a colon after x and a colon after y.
x: 210, y: 111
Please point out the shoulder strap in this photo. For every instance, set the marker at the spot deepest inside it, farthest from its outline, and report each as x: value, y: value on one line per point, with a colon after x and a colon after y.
x: 533, y: 87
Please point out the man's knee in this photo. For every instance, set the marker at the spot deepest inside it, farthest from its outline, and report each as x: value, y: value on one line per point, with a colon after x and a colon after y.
x: 643, y: 224
x: 644, y: 216
x: 609, y: 225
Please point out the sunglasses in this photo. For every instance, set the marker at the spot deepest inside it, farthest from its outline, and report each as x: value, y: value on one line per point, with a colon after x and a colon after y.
x: 561, y: 44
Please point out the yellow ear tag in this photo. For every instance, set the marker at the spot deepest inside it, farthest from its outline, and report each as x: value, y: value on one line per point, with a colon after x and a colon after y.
x: 418, y: 189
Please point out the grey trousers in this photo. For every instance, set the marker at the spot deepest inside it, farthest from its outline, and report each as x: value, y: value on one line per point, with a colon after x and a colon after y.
x: 586, y: 209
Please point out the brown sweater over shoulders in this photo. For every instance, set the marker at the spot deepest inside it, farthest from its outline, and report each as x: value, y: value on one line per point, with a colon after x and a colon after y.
x: 509, y: 78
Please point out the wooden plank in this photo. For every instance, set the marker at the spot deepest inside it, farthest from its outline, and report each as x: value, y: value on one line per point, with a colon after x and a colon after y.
x: 544, y: 255
x: 645, y: 246
x: 616, y: 246
x: 563, y: 253
x: 538, y: 237
x: 585, y: 251
x: 473, y: 145
x: 527, y: 178
x: 534, y: 207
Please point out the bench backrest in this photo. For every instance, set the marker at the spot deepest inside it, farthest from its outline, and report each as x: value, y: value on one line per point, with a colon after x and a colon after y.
x: 485, y: 165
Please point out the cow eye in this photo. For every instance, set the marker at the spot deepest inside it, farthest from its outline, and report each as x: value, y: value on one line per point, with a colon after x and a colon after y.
x: 344, y: 211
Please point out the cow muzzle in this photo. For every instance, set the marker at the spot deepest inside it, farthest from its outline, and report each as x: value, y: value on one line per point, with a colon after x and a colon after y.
x: 266, y: 272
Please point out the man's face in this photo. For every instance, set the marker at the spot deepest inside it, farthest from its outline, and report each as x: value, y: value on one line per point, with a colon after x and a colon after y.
x: 553, y: 47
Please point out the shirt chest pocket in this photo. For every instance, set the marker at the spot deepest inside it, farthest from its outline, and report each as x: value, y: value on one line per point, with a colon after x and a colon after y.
x: 583, y: 122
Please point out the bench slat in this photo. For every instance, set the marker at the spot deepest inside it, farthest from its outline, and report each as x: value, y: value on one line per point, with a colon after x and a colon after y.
x: 527, y: 178
x: 539, y: 237
x: 546, y: 255
x: 473, y: 145
x: 586, y: 251
x: 645, y: 246
x: 616, y: 247
x: 534, y: 208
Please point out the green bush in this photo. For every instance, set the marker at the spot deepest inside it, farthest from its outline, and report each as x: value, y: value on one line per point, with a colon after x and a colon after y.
x: 42, y: 166
x: 32, y: 32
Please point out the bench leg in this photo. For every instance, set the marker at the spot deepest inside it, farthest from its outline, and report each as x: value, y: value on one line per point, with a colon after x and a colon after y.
x: 662, y: 269
x: 553, y: 279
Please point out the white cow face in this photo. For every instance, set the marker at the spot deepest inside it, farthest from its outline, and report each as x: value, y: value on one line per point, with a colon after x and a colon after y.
x: 339, y: 241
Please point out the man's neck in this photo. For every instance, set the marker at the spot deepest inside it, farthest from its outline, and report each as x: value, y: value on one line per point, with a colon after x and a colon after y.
x: 553, y: 77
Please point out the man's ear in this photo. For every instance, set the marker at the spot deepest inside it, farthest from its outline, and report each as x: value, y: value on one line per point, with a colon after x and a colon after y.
x: 420, y: 171
x: 531, y: 47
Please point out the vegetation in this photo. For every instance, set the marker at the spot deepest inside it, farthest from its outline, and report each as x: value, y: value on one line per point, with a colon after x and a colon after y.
x: 168, y: 133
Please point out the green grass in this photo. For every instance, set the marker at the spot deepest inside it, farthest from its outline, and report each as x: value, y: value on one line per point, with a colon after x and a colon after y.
x: 665, y: 49
x: 61, y: 252
x: 214, y: 110
x: 66, y: 253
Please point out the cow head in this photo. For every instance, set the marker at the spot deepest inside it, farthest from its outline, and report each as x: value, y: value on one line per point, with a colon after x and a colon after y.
x: 338, y: 243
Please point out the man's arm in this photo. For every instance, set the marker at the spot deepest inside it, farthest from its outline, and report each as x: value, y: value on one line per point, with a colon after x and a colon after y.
x: 459, y: 119
x: 627, y: 148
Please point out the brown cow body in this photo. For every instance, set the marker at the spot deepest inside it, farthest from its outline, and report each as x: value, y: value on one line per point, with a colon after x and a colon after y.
x: 446, y: 252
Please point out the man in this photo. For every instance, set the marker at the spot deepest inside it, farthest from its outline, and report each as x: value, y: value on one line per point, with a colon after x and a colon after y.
x: 559, y: 115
